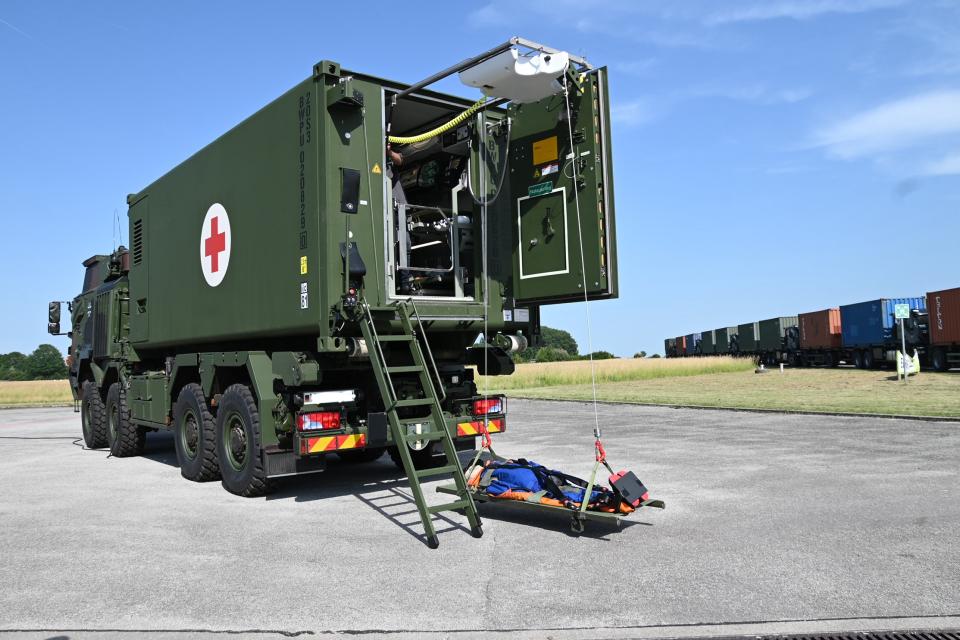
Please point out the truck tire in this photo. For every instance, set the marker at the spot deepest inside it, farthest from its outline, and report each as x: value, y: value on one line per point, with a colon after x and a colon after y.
x: 238, y: 443
x: 868, y: 360
x: 938, y: 359
x: 93, y: 416
x: 423, y: 459
x: 125, y: 439
x: 858, y: 359
x: 195, y: 435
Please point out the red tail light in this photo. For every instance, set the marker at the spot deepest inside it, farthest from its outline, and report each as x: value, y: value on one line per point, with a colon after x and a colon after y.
x: 318, y: 420
x: 487, y: 406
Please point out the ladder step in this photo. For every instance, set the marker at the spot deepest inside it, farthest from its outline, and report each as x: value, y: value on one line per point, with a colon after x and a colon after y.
x: 416, y: 402
x: 405, y: 369
x: 436, y: 471
x: 449, y: 506
x: 395, y: 337
x: 428, y: 436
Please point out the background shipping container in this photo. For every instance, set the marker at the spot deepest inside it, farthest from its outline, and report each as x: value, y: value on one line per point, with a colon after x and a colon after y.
x: 747, y: 337
x: 707, y: 343
x: 871, y: 323
x: 944, y: 309
x: 692, y: 343
x: 820, y: 329
x: 772, y: 332
x: 720, y: 342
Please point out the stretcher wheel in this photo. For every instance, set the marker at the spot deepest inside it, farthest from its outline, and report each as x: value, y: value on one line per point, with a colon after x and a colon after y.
x: 433, y: 542
x: 477, y: 531
x: 576, y: 525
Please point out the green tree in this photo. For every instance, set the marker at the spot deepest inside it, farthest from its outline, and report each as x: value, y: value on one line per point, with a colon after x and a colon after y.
x: 13, y: 366
x: 559, y: 339
x: 603, y: 355
x: 640, y: 354
x: 656, y: 355
x: 46, y: 363
x: 552, y: 354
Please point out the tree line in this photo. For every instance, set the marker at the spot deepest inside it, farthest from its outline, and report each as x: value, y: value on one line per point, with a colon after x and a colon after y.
x: 559, y: 345
x: 45, y: 363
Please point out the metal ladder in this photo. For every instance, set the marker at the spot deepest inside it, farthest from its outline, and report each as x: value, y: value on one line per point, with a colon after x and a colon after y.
x: 436, y: 424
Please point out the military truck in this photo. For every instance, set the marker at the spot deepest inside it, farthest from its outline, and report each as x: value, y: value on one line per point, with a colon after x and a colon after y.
x: 329, y: 275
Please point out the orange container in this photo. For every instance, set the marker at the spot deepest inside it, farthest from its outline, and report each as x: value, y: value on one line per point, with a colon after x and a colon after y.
x: 944, y: 309
x: 820, y: 329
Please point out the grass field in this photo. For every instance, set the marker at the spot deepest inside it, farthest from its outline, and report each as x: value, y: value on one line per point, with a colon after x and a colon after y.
x: 35, y: 393
x: 703, y: 382
x: 733, y: 384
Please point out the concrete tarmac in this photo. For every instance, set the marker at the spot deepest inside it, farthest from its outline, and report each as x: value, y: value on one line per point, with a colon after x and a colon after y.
x: 774, y: 524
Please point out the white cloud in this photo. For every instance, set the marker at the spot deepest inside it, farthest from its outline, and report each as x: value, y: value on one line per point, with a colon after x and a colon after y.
x: 894, y: 125
x: 946, y: 166
x: 795, y: 10
x: 489, y: 15
x: 633, y: 113
x: 756, y: 94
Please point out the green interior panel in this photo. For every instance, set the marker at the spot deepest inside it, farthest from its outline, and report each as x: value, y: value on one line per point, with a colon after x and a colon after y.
x: 554, y: 178
x: 544, y: 242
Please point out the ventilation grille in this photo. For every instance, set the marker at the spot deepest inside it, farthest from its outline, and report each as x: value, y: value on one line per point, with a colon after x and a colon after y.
x: 138, y: 241
x: 101, y: 308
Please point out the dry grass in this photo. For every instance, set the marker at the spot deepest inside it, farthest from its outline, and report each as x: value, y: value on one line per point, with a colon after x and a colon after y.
x: 825, y: 390
x: 549, y: 374
x: 35, y: 393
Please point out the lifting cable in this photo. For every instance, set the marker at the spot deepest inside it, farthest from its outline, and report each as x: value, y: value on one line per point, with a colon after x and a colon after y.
x: 601, y: 454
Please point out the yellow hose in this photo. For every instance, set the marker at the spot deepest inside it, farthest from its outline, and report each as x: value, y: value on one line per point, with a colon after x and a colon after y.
x: 441, y: 129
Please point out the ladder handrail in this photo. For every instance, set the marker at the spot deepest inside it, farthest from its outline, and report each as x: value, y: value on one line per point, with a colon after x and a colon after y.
x: 426, y: 342
x: 368, y: 318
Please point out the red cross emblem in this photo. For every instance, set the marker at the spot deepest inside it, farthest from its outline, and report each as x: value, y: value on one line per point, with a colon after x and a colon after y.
x: 216, y: 242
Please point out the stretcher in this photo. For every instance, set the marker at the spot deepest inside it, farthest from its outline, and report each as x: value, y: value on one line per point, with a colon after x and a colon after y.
x: 625, y: 496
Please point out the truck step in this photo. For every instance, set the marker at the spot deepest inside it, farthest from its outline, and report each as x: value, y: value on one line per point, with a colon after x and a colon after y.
x: 428, y: 436
x: 395, y: 338
x: 415, y: 402
x: 449, y: 506
x: 405, y: 369
x: 436, y: 471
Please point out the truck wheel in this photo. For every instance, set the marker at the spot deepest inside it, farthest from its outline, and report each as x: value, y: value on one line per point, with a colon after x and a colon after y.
x: 125, y: 438
x: 828, y: 359
x: 357, y: 456
x: 423, y: 459
x: 93, y: 416
x: 938, y: 360
x: 195, y: 435
x: 868, y: 361
x: 858, y: 359
x: 238, y: 443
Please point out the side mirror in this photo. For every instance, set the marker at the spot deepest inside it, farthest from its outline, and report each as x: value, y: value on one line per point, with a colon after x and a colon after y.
x: 53, y: 318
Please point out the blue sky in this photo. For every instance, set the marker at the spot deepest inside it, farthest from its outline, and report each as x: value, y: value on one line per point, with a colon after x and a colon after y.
x: 771, y: 156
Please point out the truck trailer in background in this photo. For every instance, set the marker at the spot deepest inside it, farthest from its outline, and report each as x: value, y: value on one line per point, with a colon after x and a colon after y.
x: 943, y: 309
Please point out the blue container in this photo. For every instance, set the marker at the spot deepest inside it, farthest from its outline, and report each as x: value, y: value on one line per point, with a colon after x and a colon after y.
x: 872, y: 323
x: 693, y: 344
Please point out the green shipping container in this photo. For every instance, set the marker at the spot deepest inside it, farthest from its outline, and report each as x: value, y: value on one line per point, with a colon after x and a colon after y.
x: 747, y: 337
x: 773, y: 331
x: 246, y: 239
x: 707, y: 343
x: 721, y: 344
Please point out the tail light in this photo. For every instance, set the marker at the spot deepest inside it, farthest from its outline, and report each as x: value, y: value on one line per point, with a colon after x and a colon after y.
x: 486, y: 406
x: 317, y: 420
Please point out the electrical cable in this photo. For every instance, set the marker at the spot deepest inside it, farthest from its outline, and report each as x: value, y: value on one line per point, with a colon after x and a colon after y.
x: 420, y: 137
x: 503, y: 172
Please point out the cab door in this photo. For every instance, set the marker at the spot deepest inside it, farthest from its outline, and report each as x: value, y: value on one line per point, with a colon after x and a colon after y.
x: 562, y: 196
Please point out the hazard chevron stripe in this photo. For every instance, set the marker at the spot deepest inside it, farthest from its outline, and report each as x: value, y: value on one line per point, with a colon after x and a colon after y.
x: 335, y: 443
x: 473, y: 428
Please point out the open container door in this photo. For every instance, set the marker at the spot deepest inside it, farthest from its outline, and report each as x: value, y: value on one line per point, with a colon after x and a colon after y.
x: 548, y: 193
